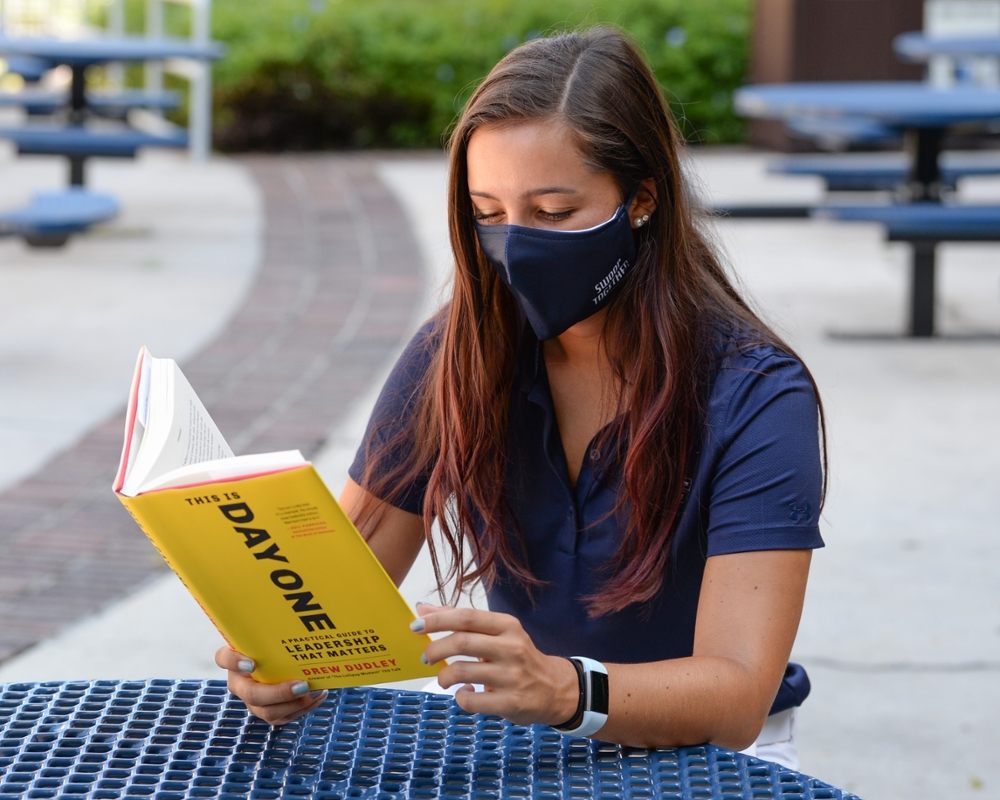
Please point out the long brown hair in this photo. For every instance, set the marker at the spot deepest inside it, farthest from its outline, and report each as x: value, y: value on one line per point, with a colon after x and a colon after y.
x: 661, y: 332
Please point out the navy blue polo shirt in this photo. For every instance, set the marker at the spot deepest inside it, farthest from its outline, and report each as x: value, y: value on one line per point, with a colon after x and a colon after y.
x: 756, y: 485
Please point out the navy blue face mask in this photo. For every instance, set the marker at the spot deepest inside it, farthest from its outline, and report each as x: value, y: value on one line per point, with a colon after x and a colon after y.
x: 561, y: 277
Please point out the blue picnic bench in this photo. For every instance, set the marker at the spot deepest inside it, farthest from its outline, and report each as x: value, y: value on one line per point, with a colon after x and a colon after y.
x: 52, y: 217
x: 923, y: 222
x: 83, y: 142
x: 30, y: 68
x: 40, y: 102
x: 924, y: 226
x: 78, y: 143
x: 840, y: 133
x: 863, y: 172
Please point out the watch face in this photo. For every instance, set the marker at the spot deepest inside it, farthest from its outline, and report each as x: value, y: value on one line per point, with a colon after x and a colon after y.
x: 598, y: 692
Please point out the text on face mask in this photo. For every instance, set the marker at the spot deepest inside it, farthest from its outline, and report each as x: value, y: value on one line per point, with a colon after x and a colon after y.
x: 609, y: 280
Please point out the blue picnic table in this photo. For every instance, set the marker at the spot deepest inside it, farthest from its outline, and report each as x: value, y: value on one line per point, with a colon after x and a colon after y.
x: 84, y: 53
x: 899, y: 104
x: 104, y: 50
x: 52, y: 217
x: 924, y: 113
x: 177, y: 739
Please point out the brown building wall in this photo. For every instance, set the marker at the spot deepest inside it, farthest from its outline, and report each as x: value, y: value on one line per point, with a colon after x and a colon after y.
x: 827, y: 40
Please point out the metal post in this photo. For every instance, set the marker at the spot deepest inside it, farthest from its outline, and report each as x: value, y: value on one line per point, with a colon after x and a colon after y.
x: 922, y: 289
x: 78, y: 95
x: 925, y: 175
x: 154, y: 30
x: 200, y: 110
x: 116, y: 27
x: 76, y: 175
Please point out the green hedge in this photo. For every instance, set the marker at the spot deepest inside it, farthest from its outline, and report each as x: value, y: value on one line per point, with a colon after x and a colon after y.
x: 314, y: 74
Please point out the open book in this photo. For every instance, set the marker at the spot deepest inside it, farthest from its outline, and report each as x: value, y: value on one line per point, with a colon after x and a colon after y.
x: 261, y: 544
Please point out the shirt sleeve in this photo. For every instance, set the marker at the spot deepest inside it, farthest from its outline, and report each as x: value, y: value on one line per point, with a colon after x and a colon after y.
x: 388, y: 442
x: 768, y: 479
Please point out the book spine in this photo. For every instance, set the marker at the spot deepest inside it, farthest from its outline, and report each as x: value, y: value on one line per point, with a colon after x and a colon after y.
x: 128, y: 502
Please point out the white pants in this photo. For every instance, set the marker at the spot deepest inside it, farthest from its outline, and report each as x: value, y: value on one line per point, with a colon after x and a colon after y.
x: 776, y: 741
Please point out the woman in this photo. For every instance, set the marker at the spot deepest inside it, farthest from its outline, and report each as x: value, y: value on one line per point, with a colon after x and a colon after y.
x: 608, y: 437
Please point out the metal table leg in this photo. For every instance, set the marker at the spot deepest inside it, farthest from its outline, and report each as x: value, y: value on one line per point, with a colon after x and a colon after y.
x: 76, y: 170
x: 924, y: 186
x: 922, y: 288
x: 77, y: 116
x: 78, y: 96
x: 924, y: 180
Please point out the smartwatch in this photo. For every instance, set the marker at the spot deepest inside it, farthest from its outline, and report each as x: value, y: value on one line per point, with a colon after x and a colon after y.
x: 592, y: 711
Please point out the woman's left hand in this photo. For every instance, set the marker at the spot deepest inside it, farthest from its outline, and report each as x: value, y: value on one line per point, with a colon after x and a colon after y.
x: 521, y: 683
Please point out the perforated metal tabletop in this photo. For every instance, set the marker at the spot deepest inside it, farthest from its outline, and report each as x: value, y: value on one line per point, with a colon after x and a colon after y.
x: 170, y: 740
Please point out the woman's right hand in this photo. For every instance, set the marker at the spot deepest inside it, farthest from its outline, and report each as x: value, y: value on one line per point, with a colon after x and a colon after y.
x: 275, y: 703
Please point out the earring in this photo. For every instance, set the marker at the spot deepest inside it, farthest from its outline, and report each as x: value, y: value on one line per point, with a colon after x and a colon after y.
x: 641, y: 221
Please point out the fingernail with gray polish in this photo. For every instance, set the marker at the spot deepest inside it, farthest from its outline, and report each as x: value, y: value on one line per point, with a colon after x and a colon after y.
x: 417, y: 625
x: 246, y: 665
x: 423, y: 660
x: 300, y: 688
x: 319, y: 693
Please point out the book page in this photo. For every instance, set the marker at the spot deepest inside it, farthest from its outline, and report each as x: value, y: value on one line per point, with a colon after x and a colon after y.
x: 134, y: 429
x: 179, y: 430
x: 225, y: 469
x: 201, y: 440
x: 142, y: 399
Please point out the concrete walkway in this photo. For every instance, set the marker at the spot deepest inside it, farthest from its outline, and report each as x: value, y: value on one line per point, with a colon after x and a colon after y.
x: 901, y: 632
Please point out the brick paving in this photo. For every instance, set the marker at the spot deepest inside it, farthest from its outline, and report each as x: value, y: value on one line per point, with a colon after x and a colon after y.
x: 339, y: 282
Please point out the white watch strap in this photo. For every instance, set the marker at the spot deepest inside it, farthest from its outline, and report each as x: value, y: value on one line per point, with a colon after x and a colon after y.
x: 595, y: 702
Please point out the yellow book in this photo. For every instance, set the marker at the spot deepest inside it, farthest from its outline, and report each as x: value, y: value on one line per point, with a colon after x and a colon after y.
x: 261, y: 544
